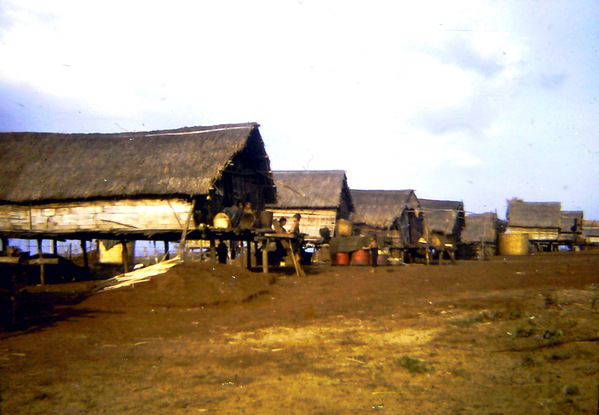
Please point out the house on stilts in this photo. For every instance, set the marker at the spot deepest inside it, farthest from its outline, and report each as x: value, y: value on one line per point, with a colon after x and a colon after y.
x: 539, y: 221
x: 444, y: 221
x: 393, y: 215
x: 570, y: 233
x: 479, y: 237
x: 165, y: 185
x: 321, y: 197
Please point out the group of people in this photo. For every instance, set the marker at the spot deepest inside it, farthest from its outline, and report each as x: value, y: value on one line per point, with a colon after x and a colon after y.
x: 236, y: 212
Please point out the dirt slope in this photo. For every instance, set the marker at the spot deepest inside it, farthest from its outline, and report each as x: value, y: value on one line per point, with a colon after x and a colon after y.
x: 508, y: 336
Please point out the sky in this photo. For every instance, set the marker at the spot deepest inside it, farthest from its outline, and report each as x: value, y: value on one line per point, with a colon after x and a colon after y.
x: 479, y: 101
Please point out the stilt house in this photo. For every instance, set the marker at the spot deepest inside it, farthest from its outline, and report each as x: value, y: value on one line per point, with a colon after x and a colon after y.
x: 540, y: 220
x: 590, y: 232
x: 153, y: 185
x: 444, y: 221
x: 479, y: 237
x: 321, y: 197
x: 391, y: 212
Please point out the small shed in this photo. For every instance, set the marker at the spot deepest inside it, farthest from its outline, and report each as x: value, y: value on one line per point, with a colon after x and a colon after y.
x: 541, y: 221
x: 321, y: 197
x: 391, y: 212
x: 444, y: 221
x: 479, y: 237
x: 156, y: 185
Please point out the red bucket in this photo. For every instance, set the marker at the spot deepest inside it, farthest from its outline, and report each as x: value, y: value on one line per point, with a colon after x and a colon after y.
x: 341, y: 258
x: 360, y: 257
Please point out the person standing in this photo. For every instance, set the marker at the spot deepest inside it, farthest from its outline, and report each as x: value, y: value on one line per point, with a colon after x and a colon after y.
x: 222, y: 250
x: 373, y: 247
x: 295, y: 231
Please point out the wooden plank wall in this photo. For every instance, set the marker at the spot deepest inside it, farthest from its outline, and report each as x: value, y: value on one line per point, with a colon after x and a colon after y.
x: 536, y: 234
x: 103, y: 215
x: 312, y: 219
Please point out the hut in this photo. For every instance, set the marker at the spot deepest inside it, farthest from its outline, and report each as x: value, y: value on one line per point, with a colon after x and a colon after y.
x: 156, y: 185
x: 570, y: 233
x: 444, y: 222
x: 321, y: 197
x: 541, y: 221
x: 479, y: 236
x: 590, y: 233
x: 393, y: 213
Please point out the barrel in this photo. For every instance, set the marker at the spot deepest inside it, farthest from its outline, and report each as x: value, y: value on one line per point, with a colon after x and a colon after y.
x: 340, y: 258
x: 222, y: 221
x: 265, y: 219
x: 344, y: 227
x: 514, y: 244
x: 360, y: 257
x: 382, y: 259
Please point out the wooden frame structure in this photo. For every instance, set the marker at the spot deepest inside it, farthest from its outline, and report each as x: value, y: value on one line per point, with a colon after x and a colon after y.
x: 163, y: 185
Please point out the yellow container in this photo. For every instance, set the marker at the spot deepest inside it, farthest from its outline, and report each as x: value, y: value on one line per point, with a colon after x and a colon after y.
x: 222, y: 221
x: 514, y: 244
x: 344, y: 227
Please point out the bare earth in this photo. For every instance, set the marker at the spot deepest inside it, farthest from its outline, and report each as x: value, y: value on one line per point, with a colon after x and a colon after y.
x: 507, y: 336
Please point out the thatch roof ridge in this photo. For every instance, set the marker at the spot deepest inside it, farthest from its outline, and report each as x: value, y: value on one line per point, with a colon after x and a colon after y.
x: 379, y: 208
x: 310, y: 188
x: 434, y: 204
x: 55, y: 166
x: 534, y: 214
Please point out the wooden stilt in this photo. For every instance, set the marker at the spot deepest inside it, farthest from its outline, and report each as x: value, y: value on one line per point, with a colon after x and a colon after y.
x: 265, y: 256
x: 125, y: 256
x: 55, y: 247
x: 166, y: 249
x: 182, y: 250
x: 85, y: 258
x: 249, y: 254
x: 42, y: 270
x: 212, y: 251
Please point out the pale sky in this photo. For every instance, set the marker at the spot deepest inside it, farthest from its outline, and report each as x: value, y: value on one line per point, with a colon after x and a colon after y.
x: 479, y: 101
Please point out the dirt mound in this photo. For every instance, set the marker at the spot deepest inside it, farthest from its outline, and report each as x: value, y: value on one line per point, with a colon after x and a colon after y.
x: 193, y: 285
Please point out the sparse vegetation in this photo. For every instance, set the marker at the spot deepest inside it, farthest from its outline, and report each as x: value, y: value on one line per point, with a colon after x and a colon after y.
x: 413, y: 365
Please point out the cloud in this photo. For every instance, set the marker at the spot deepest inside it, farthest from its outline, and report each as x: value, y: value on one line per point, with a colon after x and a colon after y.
x: 459, y: 51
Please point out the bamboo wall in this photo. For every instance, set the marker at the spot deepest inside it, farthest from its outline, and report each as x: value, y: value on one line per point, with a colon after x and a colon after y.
x: 312, y: 219
x: 103, y: 215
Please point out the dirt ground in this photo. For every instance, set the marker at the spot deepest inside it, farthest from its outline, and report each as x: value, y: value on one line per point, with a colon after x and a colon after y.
x: 513, y: 335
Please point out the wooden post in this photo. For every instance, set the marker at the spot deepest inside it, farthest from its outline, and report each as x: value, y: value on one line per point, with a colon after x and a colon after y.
x: 184, y: 234
x: 212, y: 250
x: 39, y: 251
x: 125, y: 256
x: 85, y: 258
x: 166, y: 249
x: 4, y: 243
x: 265, y: 256
x: 54, y: 246
x: 249, y: 256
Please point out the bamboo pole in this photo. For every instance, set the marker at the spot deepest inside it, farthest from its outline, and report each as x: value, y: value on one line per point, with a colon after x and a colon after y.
x: 184, y: 234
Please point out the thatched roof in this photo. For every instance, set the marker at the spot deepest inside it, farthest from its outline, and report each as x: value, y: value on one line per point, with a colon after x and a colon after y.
x: 571, y: 220
x: 316, y: 189
x: 185, y: 161
x: 431, y: 204
x: 379, y: 208
x: 443, y: 216
x: 533, y: 214
x: 480, y: 228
